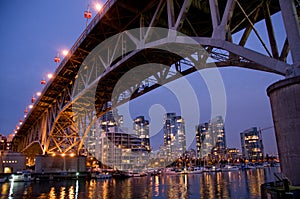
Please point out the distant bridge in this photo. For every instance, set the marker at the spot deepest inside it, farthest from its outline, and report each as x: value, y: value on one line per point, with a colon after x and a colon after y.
x: 86, y: 79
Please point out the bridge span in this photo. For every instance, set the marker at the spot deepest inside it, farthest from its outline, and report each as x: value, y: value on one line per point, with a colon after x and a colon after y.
x: 172, y: 38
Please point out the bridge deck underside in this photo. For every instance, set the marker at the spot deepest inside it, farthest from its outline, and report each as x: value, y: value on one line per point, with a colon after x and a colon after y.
x: 122, y: 16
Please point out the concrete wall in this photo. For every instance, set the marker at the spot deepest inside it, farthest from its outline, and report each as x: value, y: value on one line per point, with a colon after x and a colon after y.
x: 285, y: 102
x: 48, y: 164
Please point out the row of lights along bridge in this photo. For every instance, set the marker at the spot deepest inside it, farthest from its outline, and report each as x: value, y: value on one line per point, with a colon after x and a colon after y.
x: 87, y: 15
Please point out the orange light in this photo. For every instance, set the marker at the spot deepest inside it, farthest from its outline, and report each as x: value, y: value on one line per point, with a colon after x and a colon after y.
x: 87, y: 14
x: 63, y: 155
x: 38, y: 93
x: 56, y: 59
x: 32, y: 99
x: 30, y: 106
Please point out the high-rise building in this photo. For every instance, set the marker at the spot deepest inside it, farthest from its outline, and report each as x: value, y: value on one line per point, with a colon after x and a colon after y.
x: 117, y: 147
x: 141, y: 130
x: 210, y: 138
x: 202, y: 143
x: 122, y: 150
x: 174, y: 135
x: 251, y: 142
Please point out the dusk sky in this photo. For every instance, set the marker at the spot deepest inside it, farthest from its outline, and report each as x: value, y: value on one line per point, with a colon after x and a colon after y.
x: 33, y: 32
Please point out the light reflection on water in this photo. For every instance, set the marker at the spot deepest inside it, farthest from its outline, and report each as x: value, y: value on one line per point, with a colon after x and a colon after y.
x: 236, y: 184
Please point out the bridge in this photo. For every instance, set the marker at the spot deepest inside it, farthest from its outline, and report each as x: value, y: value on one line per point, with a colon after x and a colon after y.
x: 124, y: 36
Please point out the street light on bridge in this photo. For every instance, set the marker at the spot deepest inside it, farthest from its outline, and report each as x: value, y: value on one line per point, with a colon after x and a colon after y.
x: 65, y: 52
x: 98, y: 7
x: 50, y: 75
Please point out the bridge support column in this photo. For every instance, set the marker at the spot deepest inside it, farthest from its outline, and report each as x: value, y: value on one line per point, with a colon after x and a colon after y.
x: 285, y: 102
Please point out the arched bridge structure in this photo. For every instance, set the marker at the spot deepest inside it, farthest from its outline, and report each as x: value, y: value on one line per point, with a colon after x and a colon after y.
x: 87, y: 78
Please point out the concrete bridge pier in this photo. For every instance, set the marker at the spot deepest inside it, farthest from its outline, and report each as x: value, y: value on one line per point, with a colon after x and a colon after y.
x: 285, y: 102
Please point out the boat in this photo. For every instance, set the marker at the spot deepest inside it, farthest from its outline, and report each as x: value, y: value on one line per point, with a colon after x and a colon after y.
x: 230, y: 168
x: 135, y: 174
x: 172, y: 171
x: 206, y: 169
x: 249, y: 166
x: 196, y: 170
x: 24, y: 176
x: 152, y: 172
x: 260, y: 166
x: 103, y: 176
x: 185, y: 171
x: 215, y: 169
x: 120, y: 175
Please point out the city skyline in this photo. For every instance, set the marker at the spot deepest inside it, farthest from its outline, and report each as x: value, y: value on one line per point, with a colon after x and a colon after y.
x: 141, y: 130
x: 29, y: 57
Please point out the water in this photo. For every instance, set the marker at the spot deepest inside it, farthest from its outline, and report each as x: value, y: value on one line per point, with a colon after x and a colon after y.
x: 235, y: 184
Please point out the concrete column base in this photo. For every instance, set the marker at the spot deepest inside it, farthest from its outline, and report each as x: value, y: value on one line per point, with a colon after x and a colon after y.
x: 285, y: 102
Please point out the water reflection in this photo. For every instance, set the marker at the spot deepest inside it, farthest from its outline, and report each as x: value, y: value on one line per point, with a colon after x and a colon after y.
x: 236, y: 184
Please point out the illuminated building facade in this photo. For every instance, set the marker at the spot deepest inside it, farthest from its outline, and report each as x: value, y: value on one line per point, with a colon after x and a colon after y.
x: 233, y: 155
x: 202, y: 145
x: 174, y: 135
x: 210, y: 138
x: 251, y: 142
x: 141, y: 130
x: 115, y: 147
x: 121, y: 150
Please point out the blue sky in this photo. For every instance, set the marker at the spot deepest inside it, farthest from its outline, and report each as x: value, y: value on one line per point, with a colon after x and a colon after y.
x: 32, y: 32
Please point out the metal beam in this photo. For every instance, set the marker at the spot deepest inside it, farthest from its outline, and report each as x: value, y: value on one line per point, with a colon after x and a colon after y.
x: 214, y: 11
x: 182, y: 14
x: 171, y: 14
x: 285, y: 51
x: 292, y: 27
x: 254, y: 29
x: 270, y: 29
